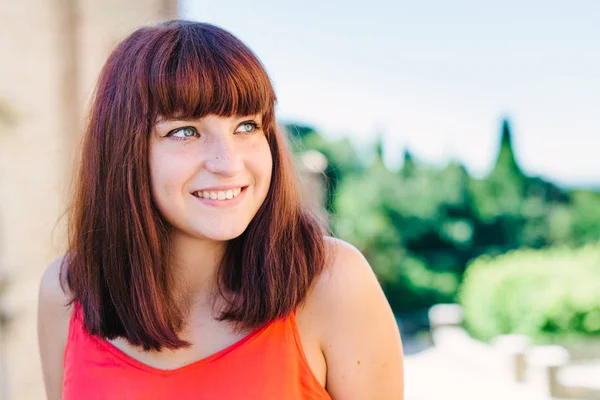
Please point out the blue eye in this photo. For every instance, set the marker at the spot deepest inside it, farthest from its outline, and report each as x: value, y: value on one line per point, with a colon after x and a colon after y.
x: 249, y: 127
x: 183, y: 132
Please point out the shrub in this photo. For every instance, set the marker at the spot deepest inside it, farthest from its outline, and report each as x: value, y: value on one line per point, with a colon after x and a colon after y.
x: 551, y: 295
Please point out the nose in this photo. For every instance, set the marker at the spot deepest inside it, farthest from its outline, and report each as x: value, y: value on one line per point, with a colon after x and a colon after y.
x: 223, y: 158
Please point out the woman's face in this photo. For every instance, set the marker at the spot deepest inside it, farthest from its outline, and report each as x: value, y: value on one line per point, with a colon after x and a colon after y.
x: 210, y: 176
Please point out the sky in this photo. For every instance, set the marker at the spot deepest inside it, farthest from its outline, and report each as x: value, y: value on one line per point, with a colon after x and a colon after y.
x: 434, y: 77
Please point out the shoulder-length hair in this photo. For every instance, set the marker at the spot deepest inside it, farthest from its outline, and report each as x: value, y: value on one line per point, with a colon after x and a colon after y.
x: 117, y: 260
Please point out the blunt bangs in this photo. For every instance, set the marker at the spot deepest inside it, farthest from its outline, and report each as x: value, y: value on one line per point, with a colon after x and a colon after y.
x: 201, y: 69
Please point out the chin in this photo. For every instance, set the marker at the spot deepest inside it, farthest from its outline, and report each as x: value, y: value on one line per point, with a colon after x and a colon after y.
x: 220, y: 235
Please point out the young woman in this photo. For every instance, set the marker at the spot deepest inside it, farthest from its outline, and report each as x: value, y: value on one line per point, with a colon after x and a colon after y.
x: 194, y: 270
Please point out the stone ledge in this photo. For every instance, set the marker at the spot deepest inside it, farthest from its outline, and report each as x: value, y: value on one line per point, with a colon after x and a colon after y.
x: 551, y: 370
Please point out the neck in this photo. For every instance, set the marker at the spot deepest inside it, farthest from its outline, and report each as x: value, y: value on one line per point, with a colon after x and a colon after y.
x: 195, y: 262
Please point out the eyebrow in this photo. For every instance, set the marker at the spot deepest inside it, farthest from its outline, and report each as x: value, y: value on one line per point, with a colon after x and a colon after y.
x: 161, y: 119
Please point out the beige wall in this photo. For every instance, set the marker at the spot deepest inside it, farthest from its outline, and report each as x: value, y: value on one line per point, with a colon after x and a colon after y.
x: 50, y: 55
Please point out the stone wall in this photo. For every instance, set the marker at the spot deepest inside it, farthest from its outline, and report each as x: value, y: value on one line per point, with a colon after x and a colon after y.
x: 51, y: 55
x: 549, y: 372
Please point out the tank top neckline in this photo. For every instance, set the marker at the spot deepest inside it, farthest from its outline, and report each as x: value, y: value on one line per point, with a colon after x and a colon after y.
x: 115, y: 351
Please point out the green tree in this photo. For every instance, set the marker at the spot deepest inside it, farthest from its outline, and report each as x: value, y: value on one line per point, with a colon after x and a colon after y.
x: 421, y: 225
x: 342, y: 159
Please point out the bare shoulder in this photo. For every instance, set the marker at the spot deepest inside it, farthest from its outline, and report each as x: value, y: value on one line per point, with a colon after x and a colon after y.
x: 358, y: 332
x: 346, y: 276
x: 53, y: 290
x: 53, y: 326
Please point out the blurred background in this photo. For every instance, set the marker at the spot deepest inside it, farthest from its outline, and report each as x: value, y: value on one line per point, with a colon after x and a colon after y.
x: 453, y: 143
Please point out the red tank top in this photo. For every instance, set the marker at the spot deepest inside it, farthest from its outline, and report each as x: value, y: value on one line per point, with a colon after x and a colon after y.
x: 267, y: 364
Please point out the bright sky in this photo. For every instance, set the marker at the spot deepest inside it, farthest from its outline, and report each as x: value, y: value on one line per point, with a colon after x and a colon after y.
x: 435, y: 76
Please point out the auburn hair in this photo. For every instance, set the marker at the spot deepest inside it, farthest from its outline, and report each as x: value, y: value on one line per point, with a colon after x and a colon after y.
x: 116, y: 265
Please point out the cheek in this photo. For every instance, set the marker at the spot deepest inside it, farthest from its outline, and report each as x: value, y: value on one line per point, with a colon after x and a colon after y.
x: 157, y: 185
x: 164, y: 178
x: 263, y: 161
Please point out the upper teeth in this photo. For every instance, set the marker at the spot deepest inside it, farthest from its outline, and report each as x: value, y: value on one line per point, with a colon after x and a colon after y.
x: 220, y: 195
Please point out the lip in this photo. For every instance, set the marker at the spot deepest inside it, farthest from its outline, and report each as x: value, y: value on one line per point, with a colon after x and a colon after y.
x: 224, y: 203
x: 220, y: 188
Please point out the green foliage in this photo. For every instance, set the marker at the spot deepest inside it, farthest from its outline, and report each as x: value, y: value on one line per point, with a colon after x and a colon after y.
x: 406, y: 225
x: 417, y: 286
x: 421, y: 225
x: 584, y: 215
x: 506, y: 169
x: 342, y: 160
x: 549, y: 295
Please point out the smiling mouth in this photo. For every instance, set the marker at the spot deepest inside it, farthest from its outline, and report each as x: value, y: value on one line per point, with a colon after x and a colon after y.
x: 219, y: 194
